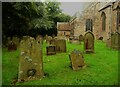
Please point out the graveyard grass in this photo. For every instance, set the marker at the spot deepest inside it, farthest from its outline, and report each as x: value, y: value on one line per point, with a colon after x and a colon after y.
x: 101, y: 67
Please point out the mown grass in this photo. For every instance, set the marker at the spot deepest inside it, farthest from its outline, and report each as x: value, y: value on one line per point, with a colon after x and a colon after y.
x: 101, y: 67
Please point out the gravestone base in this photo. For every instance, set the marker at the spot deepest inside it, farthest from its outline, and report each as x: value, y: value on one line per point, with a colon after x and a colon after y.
x: 89, y: 51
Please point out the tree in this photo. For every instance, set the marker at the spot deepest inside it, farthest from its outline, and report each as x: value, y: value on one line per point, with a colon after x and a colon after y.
x: 31, y: 18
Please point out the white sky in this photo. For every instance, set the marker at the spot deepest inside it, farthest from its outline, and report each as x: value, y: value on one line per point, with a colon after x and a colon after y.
x: 72, y: 7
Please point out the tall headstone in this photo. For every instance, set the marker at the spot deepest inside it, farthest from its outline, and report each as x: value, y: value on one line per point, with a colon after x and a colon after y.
x: 89, y: 42
x: 115, y: 41
x: 30, y: 65
x: 77, y: 59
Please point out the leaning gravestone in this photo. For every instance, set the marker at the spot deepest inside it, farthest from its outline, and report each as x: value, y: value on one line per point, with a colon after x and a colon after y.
x: 30, y: 65
x: 77, y: 60
x: 115, y: 41
x: 60, y: 45
x: 89, y: 42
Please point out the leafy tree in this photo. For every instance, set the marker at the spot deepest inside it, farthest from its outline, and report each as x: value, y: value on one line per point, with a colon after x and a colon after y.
x: 31, y: 18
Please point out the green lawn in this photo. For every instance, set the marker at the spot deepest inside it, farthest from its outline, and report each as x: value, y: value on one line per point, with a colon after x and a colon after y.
x: 101, y: 69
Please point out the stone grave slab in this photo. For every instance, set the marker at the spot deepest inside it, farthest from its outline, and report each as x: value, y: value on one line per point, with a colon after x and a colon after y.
x: 76, y: 59
x: 30, y: 65
x: 50, y: 50
x: 12, y: 46
x: 81, y: 38
x: 115, y: 41
x: 60, y: 45
x: 89, y: 42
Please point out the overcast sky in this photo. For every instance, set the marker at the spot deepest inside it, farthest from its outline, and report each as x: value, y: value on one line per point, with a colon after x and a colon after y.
x: 72, y: 7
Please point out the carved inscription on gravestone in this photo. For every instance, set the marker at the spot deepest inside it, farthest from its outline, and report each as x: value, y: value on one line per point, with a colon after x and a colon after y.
x: 89, y: 42
x: 31, y: 65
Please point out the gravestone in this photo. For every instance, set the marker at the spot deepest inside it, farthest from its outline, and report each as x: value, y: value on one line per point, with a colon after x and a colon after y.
x: 52, y: 41
x: 40, y: 38
x: 115, y: 41
x: 77, y: 59
x: 50, y: 50
x: 100, y: 38
x: 49, y: 38
x: 12, y: 46
x: 30, y: 65
x: 16, y: 40
x: 60, y: 45
x: 89, y: 42
x: 81, y: 38
x: 53, y: 36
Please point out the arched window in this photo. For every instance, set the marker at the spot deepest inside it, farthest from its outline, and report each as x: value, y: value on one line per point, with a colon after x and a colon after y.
x: 89, y: 25
x: 103, y: 21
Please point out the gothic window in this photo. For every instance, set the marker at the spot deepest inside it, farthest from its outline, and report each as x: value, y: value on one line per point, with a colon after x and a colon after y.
x: 89, y: 24
x: 103, y: 21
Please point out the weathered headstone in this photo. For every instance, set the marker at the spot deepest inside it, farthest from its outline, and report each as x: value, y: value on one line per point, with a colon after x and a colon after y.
x: 74, y: 40
x: 50, y: 50
x: 52, y: 41
x: 81, y: 38
x: 77, y: 59
x: 53, y: 36
x: 31, y: 65
x: 89, y: 42
x: 12, y: 46
x: 60, y: 45
x: 115, y: 41
x: 40, y: 38
x: 49, y: 38
x: 100, y: 38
